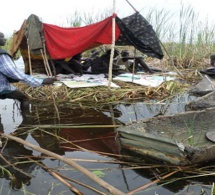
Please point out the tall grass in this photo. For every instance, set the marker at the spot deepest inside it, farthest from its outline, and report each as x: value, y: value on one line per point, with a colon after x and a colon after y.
x: 187, y: 39
x: 84, y: 18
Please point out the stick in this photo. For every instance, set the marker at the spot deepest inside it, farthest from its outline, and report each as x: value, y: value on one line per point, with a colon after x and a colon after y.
x: 132, y: 6
x: 149, y: 184
x: 44, y: 61
x: 134, y: 64
x: 14, y: 167
x: 72, y: 188
x: 29, y: 60
x: 72, y: 180
x: 53, y: 67
x: 70, y: 162
x: 57, y: 126
x: 56, y: 108
x: 171, y: 60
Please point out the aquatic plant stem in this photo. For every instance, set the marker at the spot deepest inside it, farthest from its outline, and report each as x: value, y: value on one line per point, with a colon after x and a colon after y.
x: 14, y: 167
x: 65, y: 126
x: 63, y: 176
x: 68, y: 161
x: 153, y: 182
x: 72, y: 188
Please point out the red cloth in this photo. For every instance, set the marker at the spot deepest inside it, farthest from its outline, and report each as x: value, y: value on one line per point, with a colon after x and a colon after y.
x: 67, y: 42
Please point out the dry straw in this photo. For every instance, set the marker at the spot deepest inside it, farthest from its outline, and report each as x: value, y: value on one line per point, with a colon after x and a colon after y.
x: 127, y: 92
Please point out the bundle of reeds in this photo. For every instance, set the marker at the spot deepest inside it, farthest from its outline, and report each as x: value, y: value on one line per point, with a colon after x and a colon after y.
x: 126, y: 92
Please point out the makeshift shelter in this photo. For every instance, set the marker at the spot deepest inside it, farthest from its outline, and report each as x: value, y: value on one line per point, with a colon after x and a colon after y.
x: 39, y: 41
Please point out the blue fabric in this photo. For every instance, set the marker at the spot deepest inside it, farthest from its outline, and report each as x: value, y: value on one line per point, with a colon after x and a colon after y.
x: 5, y: 92
x: 9, y: 69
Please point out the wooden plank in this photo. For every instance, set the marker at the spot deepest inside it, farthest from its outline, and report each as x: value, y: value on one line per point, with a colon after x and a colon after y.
x: 17, y: 39
x: 152, y: 153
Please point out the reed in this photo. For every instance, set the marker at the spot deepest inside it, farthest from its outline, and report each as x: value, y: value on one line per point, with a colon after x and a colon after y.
x: 188, y: 40
x: 161, y: 174
x: 189, y: 43
x: 78, y: 19
x: 102, y: 95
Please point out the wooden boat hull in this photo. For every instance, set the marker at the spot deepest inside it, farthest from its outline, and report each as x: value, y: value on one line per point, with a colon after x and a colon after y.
x: 179, y: 139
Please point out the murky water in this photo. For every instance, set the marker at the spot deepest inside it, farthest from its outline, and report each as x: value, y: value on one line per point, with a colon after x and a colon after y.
x: 88, y: 136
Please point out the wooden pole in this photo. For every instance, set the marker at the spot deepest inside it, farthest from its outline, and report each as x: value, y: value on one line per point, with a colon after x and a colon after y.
x: 134, y: 65
x: 29, y: 60
x: 44, y: 61
x: 132, y: 6
x: 112, y: 46
x: 68, y: 161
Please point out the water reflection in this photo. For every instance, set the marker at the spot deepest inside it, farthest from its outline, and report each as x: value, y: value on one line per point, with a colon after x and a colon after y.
x: 93, y: 137
x: 17, y: 171
x: 85, y: 137
x: 137, y: 111
x: 10, y: 115
x: 121, y: 113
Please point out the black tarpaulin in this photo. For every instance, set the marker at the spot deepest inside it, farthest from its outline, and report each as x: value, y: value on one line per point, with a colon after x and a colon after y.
x: 136, y: 31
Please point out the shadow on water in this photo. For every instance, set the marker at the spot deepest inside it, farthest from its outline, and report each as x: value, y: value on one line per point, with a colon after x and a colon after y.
x: 88, y: 136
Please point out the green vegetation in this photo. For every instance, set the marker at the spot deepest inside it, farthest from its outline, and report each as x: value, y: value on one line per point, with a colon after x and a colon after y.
x: 190, y: 128
x: 98, y: 173
x: 83, y: 19
x: 8, y: 44
x: 188, y: 40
